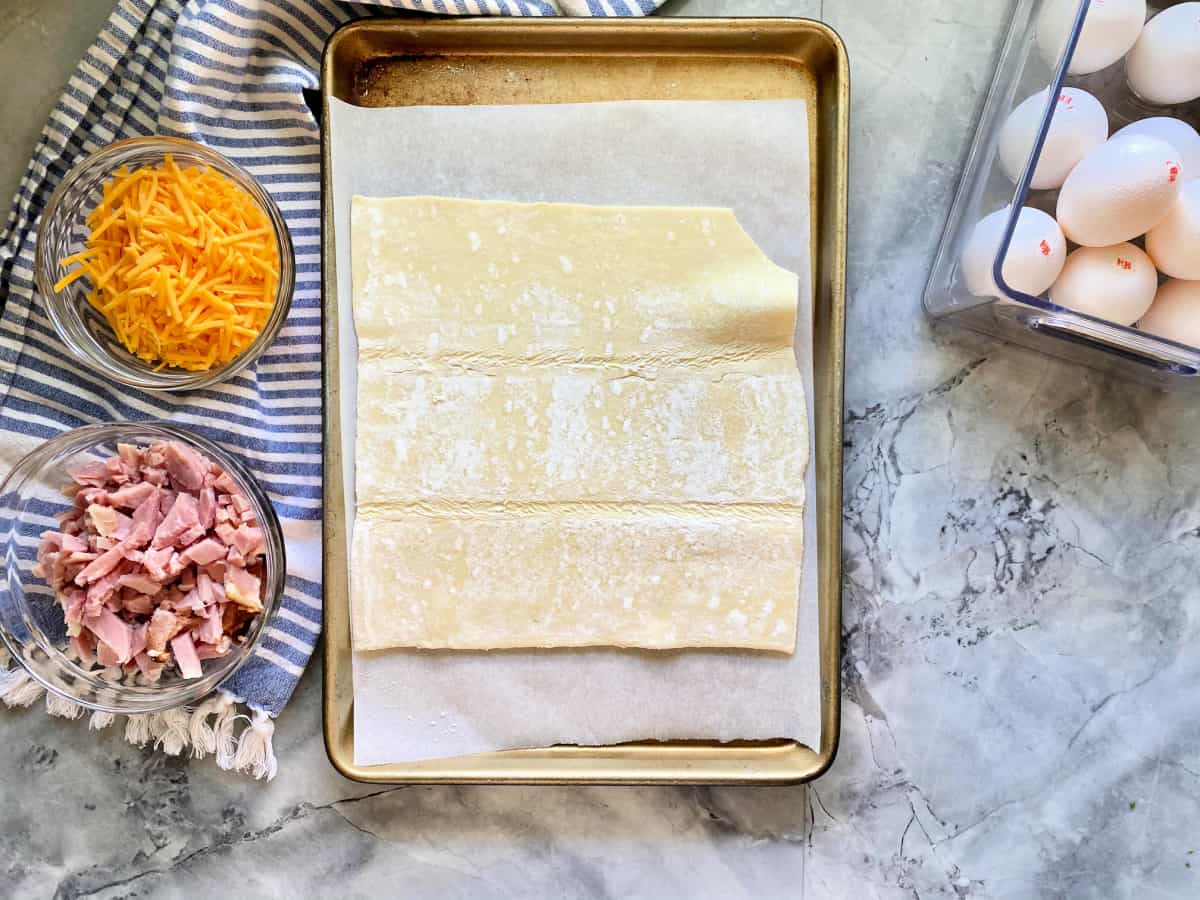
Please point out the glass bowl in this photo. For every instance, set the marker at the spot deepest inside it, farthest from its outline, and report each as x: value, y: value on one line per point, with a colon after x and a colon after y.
x: 31, y: 620
x: 64, y: 230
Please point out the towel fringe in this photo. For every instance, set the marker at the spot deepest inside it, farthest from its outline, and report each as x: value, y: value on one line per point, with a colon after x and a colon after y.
x: 170, y: 730
x: 100, y: 720
x: 8, y: 678
x: 255, y: 753
x: 137, y: 730
x: 17, y: 688
x: 62, y: 707
x: 203, y: 737
x: 226, y: 744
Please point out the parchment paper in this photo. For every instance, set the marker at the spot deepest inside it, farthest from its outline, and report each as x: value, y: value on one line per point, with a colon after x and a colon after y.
x: 751, y: 156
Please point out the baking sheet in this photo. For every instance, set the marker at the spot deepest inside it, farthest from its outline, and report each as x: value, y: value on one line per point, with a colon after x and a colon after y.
x: 751, y: 156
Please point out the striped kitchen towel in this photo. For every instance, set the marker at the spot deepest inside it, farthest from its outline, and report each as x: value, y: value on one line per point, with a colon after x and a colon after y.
x: 230, y: 74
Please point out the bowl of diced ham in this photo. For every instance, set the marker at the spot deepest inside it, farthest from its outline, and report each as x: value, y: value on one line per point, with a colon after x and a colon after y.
x: 142, y: 564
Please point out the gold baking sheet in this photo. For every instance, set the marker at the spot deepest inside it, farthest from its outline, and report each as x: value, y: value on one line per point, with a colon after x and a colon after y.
x: 450, y: 61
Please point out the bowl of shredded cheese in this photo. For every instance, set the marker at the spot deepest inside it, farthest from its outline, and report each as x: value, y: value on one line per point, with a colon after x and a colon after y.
x: 163, y: 265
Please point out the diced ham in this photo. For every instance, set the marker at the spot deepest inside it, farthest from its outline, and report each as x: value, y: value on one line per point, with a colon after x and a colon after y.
x: 89, y: 495
x: 58, y: 540
x: 117, y: 471
x: 143, y: 584
x: 84, y: 647
x: 111, y: 631
x: 138, y: 644
x: 109, y: 522
x: 185, y: 654
x: 250, y: 541
x: 226, y: 484
x: 214, y: 651
x: 207, y: 506
x: 190, y: 536
x: 183, y: 516
x: 204, y: 590
x: 164, y: 625
x: 204, y: 552
x: 100, y: 566
x: 151, y: 669
x: 100, y: 590
x: 155, y: 454
x: 145, y: 520
x: 106, y: 655
x: 191, y: 602
x: 186, y: 467
x: 139, y: 604
x: 209, y: 631
x: 155, y: 476
x: 73, y: 608
x: 131, y: 495
x: 243, y: 588
x: 156, y: 562
x: 130, y: 454
x: 93, y: 474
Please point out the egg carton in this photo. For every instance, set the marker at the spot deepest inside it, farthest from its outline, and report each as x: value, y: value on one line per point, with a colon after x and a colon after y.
x: 1072, y: 148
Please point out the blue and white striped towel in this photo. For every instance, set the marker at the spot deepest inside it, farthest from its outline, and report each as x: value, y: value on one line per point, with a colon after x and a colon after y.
x: 228, y: 73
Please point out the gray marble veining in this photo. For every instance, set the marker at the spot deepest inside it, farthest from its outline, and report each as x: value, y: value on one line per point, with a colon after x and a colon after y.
x: 1021, y: 716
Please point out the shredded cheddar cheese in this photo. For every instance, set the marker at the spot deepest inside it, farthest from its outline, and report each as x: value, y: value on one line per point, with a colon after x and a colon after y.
x: 182, y: 263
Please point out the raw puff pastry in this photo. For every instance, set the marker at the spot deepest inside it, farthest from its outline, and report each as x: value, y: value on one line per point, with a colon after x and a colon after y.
x: 577, y: 425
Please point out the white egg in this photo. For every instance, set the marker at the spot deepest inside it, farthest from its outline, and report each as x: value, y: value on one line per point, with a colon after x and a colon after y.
x: 1114, y: 283
x: 1119, y: 191
x: 1164, y: 65
x: 1174, y: 243
x: 1035, y: 255
x: 1175, y: 313
x: 1110, y: 29
x: 1176, y: 132
x: 1079, y: 125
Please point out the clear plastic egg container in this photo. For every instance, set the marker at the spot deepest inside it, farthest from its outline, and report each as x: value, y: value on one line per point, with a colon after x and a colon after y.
x: 1004, y: 165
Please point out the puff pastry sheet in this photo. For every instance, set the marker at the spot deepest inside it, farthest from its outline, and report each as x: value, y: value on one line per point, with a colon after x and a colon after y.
x: 577, y: 425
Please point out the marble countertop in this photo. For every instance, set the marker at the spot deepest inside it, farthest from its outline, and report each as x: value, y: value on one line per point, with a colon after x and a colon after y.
x: 1021, y: 717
